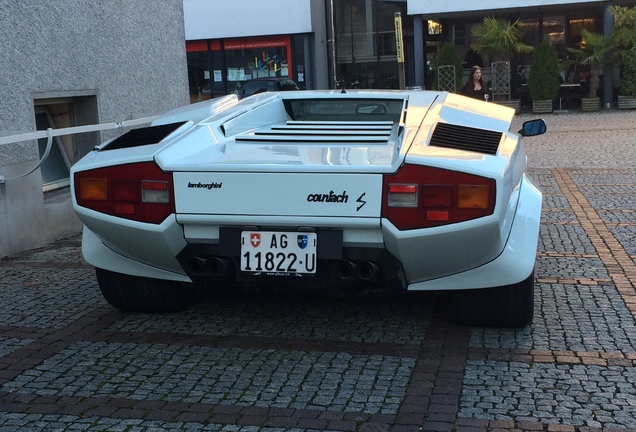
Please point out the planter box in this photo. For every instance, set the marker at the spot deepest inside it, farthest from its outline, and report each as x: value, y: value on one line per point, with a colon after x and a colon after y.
x: 541, y: 106
x: 626, y: 102
x: 590, y: 104
x: 515, y: 104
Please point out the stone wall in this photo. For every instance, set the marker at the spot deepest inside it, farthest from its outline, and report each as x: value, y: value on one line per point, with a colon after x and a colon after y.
x: 129, y: 57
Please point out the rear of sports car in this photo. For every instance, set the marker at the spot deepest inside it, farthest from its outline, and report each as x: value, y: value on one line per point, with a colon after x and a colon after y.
x: 316, y: 191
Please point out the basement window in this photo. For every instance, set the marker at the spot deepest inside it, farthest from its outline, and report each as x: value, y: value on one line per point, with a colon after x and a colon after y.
x: 58, y: 113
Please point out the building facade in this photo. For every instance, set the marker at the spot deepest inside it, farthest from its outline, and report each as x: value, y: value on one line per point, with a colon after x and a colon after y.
x: 559, y: 22
x: 71, y: 63
x: 229, y: 42
x: 327, y: 43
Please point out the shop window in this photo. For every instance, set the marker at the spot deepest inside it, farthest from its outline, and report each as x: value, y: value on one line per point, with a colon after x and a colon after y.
x: 554, y: 32
x: 199, y: 76
x: 246, y: 64
x: 258, y: 57
x: 577, y: 25
x: 531, y: 35
x: 434, y: 27
x: 65, y: 150
x: 459, y: 34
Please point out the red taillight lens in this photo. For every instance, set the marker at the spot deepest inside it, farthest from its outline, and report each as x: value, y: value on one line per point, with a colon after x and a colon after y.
x: 139, y: 191
x: 420, y: 197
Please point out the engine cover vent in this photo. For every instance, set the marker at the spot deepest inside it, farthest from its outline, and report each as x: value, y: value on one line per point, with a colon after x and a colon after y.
x: 466, y: 138
x: 143, y: 136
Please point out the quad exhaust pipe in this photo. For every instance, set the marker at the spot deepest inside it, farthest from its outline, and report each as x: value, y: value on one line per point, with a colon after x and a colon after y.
x: 363, y: 270
x: 367, y: 271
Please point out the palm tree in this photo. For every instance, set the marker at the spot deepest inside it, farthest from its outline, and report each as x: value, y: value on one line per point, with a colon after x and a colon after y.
x: 624, y: 30
x: 498, y: 38
x: 594, y: 51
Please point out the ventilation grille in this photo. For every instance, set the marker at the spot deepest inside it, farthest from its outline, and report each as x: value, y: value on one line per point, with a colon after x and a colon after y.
x: 465, y: 138
x: 143, y: 136
x: 308, y: 132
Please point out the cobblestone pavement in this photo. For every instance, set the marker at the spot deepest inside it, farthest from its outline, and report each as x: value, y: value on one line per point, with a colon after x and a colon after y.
x: 69, y: 361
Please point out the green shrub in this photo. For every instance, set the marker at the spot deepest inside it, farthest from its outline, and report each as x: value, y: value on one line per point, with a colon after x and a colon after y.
x: 543, y: 82
x: 447, y: 55
x: 627, y: 85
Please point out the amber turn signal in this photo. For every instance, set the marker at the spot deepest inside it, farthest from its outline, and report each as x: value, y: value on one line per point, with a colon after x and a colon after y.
x: 93, y: 189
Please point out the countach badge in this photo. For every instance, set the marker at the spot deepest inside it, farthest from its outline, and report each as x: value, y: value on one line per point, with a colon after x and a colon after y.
x: 330, y: 197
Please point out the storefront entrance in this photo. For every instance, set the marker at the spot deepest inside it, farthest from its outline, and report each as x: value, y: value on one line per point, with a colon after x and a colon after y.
x: 218, y: 67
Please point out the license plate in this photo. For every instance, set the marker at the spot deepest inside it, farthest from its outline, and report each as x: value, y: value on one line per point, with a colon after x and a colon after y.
x: 278, y: 253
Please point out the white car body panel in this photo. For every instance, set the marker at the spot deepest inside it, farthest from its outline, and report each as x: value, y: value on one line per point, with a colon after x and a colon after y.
x: 232, y: 168
x: 515, y: 261
x: 276, y: 194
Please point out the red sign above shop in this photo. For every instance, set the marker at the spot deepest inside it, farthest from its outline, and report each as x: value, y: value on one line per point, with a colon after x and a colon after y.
x: 260, y: 42
x: 242, y: 43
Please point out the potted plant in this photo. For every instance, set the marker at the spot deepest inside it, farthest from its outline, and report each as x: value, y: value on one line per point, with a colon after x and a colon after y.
x: 624, y: 35
x: 627, y: 83
x: 499, y: 39
x: 594, y: 51
x: 447, y: 56
x: 543, y: 82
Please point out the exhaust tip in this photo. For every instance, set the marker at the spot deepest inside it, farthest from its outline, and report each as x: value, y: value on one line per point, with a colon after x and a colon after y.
x: 367, y: 270
x: 345, y: 269
x: 219, y: 266
x: 196, y: 266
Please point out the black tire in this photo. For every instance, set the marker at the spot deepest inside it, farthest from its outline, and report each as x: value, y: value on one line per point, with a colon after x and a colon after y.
x: 510, y: 306
x: 140, y: 294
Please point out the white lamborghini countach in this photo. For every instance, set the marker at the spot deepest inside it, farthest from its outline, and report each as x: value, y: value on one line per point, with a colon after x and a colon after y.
x: 317, y: 190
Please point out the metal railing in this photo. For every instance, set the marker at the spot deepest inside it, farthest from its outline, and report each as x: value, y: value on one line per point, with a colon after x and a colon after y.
x: 50, y: 133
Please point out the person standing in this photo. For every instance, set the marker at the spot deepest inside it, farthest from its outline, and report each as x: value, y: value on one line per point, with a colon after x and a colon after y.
x: 475, y: 87
x: 519, y: 86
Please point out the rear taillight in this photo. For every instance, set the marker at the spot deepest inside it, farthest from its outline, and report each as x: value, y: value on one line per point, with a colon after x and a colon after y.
x: 421, y: 197
x: 139, y: 191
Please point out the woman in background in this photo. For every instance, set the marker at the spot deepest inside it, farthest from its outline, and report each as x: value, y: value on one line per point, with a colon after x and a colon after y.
x: 475, y: 87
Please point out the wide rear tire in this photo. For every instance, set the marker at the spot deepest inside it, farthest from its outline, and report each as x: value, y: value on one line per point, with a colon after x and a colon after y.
x: 139, y: 294
x: 509, y: 306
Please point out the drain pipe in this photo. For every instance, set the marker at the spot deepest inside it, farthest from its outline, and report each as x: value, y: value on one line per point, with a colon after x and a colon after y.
x: 332, y: 41
x: 49, y: 143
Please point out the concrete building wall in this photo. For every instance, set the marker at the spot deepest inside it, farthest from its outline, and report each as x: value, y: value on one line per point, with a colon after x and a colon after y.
x: 127, y: 56
x: 207, y: 19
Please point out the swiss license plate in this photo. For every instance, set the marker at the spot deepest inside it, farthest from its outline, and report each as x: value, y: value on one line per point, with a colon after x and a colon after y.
x: 278, y: 253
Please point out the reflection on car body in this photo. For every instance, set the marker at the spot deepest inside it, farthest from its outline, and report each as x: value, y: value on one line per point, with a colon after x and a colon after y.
x: 261, y: 85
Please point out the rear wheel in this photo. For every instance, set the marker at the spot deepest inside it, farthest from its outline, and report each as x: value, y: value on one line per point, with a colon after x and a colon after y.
x: 140, y: 294
x: 505, y: 306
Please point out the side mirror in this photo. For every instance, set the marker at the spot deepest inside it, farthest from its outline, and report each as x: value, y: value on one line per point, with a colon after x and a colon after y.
x: 533, y: 127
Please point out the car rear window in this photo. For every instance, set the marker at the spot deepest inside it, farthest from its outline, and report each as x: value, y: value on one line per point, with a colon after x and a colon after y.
x: 346, y: 109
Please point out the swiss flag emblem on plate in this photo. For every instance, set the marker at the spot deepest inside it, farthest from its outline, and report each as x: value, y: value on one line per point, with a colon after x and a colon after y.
x: 255, y: 239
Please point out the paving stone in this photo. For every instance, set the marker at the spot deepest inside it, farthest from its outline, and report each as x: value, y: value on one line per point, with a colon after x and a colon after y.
x: 298, y: 363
